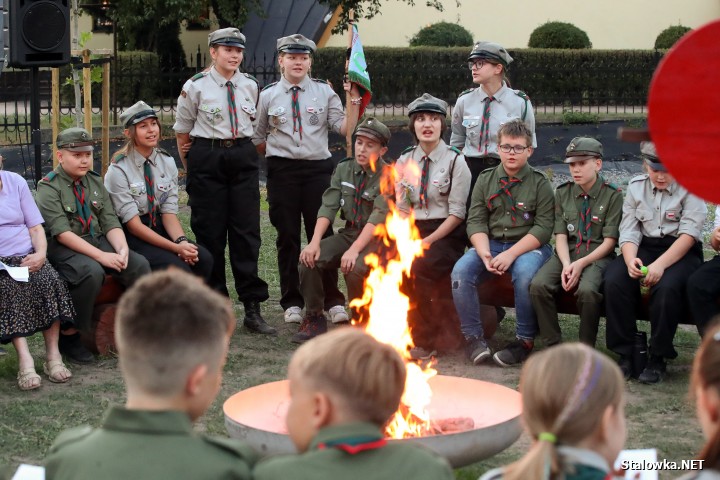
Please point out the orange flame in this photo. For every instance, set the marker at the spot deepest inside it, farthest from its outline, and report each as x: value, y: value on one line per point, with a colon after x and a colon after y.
x: 388, y: 308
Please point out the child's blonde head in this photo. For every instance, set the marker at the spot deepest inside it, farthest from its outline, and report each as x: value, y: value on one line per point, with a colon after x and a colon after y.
x: 366, y: 376
x: 565, y: 392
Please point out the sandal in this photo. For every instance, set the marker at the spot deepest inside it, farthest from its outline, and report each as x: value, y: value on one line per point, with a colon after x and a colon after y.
x: 56, y: 371
x: 28, y: 379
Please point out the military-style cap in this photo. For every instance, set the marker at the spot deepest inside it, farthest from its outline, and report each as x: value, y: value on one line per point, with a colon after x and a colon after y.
x: 375, y: 129
x: 227, y: 36
x: 428, y: 103
x: 491, y: 51
x: 649, y: 154
x: 136, y: 114
x: 295, y: 44
x: 583, y: 147
x: 74, y: 139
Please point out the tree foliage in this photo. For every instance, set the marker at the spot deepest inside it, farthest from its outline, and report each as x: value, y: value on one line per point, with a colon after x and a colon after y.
x: 442, y: 34
x: 368, y: 9
x: 670, y: 35
x: 559, y: 35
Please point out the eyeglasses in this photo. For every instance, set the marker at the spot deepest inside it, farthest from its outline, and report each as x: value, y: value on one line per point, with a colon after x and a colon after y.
x: 477, y: 64
x: 512, y: 148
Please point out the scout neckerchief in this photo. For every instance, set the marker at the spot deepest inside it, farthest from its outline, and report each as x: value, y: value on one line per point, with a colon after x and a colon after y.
x: 424, y: 181
x: 297, y: 121
x: 505, y: 186
x: 234, y: 122
x: 585, y: 220
x: 358, y: 198
x: 485, y: 126
x: 83, y: 209
x: 354, y: 445
x: 150, y: 189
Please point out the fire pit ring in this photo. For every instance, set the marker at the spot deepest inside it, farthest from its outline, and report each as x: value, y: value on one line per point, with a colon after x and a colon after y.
x: 257, y: 416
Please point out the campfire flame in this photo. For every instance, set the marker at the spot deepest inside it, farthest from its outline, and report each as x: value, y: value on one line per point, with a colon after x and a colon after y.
x: 388, y: 306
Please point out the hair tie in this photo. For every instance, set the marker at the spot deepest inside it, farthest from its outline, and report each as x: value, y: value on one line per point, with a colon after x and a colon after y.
x: 547, y: 437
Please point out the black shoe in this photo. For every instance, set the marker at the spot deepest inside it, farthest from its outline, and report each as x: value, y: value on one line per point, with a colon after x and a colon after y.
x: 71, y: 347
x: 476, y: 349
x: 254, y: 321
x: 626, y: 367
x: 313, y: 324
x: 654, y: 372
x: 513, y: 354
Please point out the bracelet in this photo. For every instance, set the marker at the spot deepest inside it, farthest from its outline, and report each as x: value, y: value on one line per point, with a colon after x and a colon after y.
x: 356, y: 101
x: 181, y: 239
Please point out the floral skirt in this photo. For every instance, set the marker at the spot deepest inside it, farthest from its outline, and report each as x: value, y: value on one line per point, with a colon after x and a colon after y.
x: 29, y: 307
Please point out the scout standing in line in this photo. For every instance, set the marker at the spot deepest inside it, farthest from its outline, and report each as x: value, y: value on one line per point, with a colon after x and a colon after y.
x: 168, y: 387
x: 85, y: 238
x: 661, y: 230
x: 587, y: 221
x: 354, y: 189
x: 437, y: 197
x: 143, y: 184
x: 510, y: 225
x: 294, y: 117
x: 217, y: 108
x: 344, y: 387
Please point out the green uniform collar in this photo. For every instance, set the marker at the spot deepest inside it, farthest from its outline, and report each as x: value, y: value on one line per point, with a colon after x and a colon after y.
x: 64, y: 176
x: 581, y: 457
x: 286, y: 85
x: 358, y: 169
x: 146, y: 421
x: 346, y: 432
x: 524, y: 171
x: 594, y: 191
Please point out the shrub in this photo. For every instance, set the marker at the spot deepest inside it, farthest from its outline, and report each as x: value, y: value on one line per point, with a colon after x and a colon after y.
x: 670, y: 35
x: 559, y: 35
x: 442, y: 34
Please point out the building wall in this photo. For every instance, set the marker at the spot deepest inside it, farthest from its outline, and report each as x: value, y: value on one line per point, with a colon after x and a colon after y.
x: 610, y: 24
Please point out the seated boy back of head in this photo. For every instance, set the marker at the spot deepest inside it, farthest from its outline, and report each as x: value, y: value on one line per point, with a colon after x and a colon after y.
x: 172, y: 334
x: 344, y: 387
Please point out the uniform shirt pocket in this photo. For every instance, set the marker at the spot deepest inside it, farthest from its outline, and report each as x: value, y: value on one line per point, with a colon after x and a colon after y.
x: 211, y: 111
x: 643, y: 215
x: 442, y: 184
x: 526, y: 211
x: 472, y: 128
x: 163, y: 192
x: 673, y: 215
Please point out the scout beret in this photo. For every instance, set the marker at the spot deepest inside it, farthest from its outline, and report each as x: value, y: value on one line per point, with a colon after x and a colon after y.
x: 227, y: 36
x: 428, y: 103
x: 136, y: 114
x: 375, y: 129
x: 649, y: 154
x: 583, y: 147
x: 295, y: 44
x: 491, y: 51
x: 74, y: 139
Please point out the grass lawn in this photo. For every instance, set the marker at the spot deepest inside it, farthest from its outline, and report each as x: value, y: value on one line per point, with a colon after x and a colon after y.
x: 659, y: 416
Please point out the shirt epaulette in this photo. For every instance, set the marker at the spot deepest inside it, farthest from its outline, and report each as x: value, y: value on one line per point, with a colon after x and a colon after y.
x: 611, y: 185
x: 163, y: 151
x: 251, y: 78
x: 540, y: 172
x: 464, y: 92
x: 521, y: 94
x: 639, y: 178
x: 269, y: 85
x: 198, y: 76
x: 454, y: 149
x: 346, y: 159
x: 570, y: 182
x: 117, y: 158
x: 319, y: 80
x: 71, y: 436
x: 93, y: 172
x: 408, y: 149
x: 49, y: 177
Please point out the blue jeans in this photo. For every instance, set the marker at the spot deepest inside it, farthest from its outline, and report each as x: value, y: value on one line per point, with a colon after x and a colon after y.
x: 469, y: 272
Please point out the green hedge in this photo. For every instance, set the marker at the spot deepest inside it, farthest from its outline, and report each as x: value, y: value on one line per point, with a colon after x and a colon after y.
x: 552, y: 77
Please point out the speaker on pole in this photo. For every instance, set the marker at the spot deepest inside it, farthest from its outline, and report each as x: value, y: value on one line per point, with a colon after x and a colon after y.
x: 39, y: 33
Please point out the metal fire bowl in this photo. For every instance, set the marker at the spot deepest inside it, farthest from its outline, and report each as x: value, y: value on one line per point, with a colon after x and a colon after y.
x: 257, y: 415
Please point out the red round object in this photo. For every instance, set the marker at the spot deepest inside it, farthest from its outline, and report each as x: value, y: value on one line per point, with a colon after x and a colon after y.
x: 684, y: 111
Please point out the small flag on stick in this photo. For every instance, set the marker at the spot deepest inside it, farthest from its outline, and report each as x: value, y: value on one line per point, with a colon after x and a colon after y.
x: 357, y: 70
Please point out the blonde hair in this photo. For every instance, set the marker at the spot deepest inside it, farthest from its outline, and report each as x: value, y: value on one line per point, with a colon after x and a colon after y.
x: 706, y: 374
x: 168, y: 323
x: 565, y: 390
x: 366, y: 375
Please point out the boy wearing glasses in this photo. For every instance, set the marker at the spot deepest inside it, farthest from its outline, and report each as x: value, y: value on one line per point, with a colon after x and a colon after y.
x: 509, y: 225
x: 587, y: 223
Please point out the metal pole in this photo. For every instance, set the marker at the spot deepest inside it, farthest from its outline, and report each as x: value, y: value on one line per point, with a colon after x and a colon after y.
x: 35, y: 121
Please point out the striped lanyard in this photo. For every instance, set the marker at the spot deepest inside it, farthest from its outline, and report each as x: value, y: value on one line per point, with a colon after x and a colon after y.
x: 424, y: 181
x: 358, y: 199
x: 485, y: 126
x: 505, y: 186
x: 150, y: 189
x: 234, y: 122
x: 297, y: 121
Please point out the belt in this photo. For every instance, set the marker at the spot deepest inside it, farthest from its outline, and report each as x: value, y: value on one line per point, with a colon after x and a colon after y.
x: 219, y: 142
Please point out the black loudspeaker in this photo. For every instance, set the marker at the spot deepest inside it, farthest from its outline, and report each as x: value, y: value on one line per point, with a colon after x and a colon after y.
x: 39, y: 33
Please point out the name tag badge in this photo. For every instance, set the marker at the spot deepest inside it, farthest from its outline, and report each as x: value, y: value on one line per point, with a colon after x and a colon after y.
x: 470, y: 121
x: 209, y: 108
x: 670, y: 215
x: 276, y: 111
x: 595, y: 219
x: 249, y: 109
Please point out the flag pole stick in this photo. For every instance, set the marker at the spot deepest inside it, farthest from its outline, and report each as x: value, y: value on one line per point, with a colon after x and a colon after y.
x: 351, y: 121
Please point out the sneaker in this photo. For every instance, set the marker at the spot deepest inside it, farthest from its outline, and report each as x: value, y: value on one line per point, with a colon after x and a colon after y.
x: 626, y: 367
x: 654, y: 372
x: 338, y: 314
x: 313, y: 324
x: 513, y: 354
x: 72, y: 348
x: 419, y: 353
x: 293, y: 315
x: 477, y: 350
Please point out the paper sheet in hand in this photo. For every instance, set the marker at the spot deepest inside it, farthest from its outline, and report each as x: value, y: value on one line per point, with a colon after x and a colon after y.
x: 645, y: 457
x: 19, y: 274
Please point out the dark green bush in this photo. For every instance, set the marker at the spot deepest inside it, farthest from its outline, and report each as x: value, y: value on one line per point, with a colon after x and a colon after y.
x: 442, y: 34
x: 559, y: 35
x: 670, y: 35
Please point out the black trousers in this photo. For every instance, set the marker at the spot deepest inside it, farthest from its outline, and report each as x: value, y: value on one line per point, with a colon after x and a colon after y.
x: 477, y: 165
x: 703, y: 290
x: 224, y: 194
x: 295, y: 189
x: 160, y: 259
x: 668, y: 302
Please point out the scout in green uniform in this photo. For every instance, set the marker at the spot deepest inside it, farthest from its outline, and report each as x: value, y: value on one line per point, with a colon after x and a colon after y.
x: 354, y: 189
x: 85, y: 238
x: 344, y: 387
x: 574, y: 411
x: 168, y: 387
x: 587, y: 222
x: 509, y: 224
